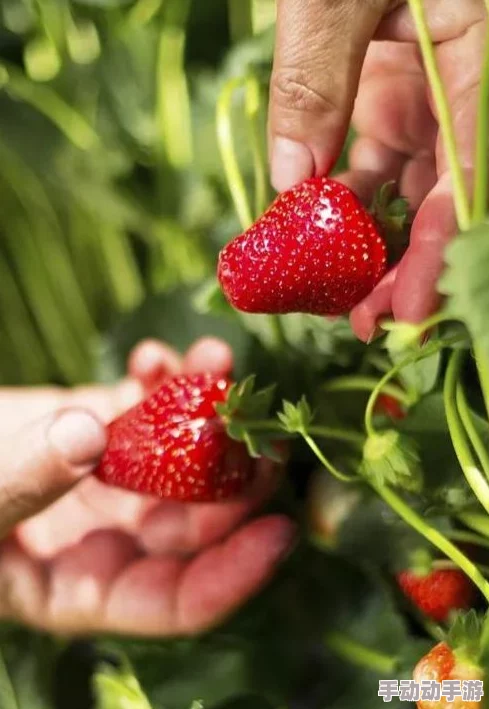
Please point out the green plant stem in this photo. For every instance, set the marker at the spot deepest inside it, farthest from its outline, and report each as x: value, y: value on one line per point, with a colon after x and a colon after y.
x: 354, y: 383
x: 240, y: 19
x: 427, y: 351
x: 9, y: 695
x: 468, y: 423
x: 228, y: 154
x: 352, y: 651
x: 253, y: 112
x: 477, y: 521
x: 481, y: 179
x: 480, y: 356
x: 172, y: 111
x: 67, y: 119
x: 278, y: 332
x: 433, y: 536
x: 474, y: 477
x: 461, y: 200
x: 327, y: 463
x: 459, y: 535
x: 334, y: 434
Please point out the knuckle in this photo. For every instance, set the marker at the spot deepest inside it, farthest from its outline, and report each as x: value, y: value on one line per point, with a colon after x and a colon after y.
x: 291, y: 89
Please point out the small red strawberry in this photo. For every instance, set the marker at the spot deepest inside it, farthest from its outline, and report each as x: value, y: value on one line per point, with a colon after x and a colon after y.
x: 316, y: 250
x: 390, y: 407
x: 438, y: 592
x: 441, y: 664
x: 174, y: 445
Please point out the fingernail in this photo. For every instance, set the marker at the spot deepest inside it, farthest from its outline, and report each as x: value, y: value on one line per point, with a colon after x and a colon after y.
x: 376, y: 333
x: 78, y: 437
x: 292, y: 162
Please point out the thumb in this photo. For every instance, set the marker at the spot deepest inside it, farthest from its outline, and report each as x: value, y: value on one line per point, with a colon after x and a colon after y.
x: 44, y: 460
x: 319, y: 53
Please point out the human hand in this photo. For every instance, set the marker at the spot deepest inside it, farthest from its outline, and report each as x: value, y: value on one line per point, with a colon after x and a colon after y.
x: 326, y: 60
x: 79, y: 556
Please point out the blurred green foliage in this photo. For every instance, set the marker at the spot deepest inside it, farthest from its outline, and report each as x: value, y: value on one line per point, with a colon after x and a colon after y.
x: 111, y: 184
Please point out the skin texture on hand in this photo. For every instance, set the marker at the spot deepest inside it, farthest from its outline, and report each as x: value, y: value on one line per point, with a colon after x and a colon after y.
x: 359, y: 59
x: 88, y: 557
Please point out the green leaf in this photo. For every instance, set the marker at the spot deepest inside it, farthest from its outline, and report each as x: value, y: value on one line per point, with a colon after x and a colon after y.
x: 466, y: 281
x: 27, y: 664
x: 296, y: 418
x: 117, y: 688
x: 465, y: 633
x: 426, y: 424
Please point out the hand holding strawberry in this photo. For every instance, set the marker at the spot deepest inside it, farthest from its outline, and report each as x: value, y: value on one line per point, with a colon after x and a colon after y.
x: 144, y: 557
x: 327, y: 63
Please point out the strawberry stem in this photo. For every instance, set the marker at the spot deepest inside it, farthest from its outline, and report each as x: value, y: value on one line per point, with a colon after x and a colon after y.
x: 481, y: 163
x: 409, y: 359
x: 480, y: 356
x: 477, y: 521
x: 334, y: 434
x: 461, y: 446
x: 253, y: 112
x: 352, y: 651
x: 458, y: 535
x: 468, y: 422
x: 461, y: 198
x: 325, y: 462
x: 354, y: 383
x: 433, y: 536
x: 228, y: 154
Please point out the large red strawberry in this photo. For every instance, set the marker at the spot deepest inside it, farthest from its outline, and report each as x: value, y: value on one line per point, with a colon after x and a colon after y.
x: 438, y: 592
x: 316, y: 250
x: 443, y: 664
x: 174, y: 445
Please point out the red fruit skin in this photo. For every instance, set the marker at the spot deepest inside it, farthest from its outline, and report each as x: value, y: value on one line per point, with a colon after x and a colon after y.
x: 315, y: 250
x: 439, y: 592
x: 389, y: 406
x: 173, y: 445
x: 442, y: 664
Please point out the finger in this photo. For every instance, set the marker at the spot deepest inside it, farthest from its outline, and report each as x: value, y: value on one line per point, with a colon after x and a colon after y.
x: 369, y: 155
x: 319, y: 52
x: 106, y: 402
x: 51, y: 455
x: 460, y: 63
x: 80, y: 579
x: 415, y: 176
x: 447, y: 19
x: 392, y: 105
x: 23, y: 585
x: 165, y: 596
x: 415, y: 294
x: 92, y: 505
x: 365, y: 317
x: 184, y: 529
x: 151, y: 361
x: 208, y: 355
